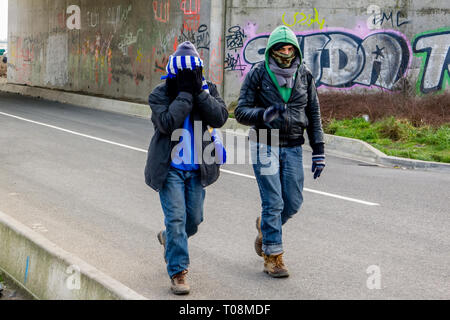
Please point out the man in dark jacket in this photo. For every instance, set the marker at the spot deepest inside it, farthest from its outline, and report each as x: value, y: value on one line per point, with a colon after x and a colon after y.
x: 184, y: 109
x: 279, y: 99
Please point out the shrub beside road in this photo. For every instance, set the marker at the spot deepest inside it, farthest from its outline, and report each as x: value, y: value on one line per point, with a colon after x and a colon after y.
x: 397, y: 137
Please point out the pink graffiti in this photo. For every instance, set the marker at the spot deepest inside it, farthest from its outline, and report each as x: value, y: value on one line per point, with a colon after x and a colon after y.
x: 164, y: 10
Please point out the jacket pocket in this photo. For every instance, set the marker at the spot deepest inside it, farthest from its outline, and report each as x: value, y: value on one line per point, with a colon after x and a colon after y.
x: 297, y: 120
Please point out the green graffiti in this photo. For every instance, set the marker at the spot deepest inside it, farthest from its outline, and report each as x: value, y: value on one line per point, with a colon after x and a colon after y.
x: 432, y: 47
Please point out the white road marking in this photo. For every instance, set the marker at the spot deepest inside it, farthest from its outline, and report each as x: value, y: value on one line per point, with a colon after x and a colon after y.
x: 145, y: 151
x: 310, y: 190
x: 39, y: 227
x: 75, y: 133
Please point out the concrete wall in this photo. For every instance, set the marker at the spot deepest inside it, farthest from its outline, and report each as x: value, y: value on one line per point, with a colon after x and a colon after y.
x: 119, y: 48
x: 353, y: 44
x: 47, y: 272
x: 116, y: 48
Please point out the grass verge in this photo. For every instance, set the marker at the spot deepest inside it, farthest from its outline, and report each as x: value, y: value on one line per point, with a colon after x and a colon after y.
x: 397, y: 137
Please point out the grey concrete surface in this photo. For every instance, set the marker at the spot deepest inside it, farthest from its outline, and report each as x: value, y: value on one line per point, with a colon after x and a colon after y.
x: 89, y: 197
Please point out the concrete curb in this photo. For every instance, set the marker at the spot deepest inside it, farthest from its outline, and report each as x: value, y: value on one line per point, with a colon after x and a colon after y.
x: 112, y: 105
x: 48, y: 272
x: 335, y: 145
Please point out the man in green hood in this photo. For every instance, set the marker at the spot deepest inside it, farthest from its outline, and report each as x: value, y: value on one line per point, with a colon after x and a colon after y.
x: 279, y: 100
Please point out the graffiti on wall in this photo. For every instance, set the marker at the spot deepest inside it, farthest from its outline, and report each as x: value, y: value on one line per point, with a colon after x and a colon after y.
x: 191, y: 14
x: 234, y: 41
x: 342, y: 59
x: 379, y: 18
x: 215, y: 64
x: 199, y: 37
x: 304, y: 20
x: 433, y: 47
x: 127, y: 40
x: 23, y: 55
x: 161, y: 10
x: 117, y: 15
x: 235, y: 38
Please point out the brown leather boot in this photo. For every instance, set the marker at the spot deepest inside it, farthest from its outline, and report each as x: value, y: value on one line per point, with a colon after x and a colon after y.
x: 179, y: 283
x: 162, y: 241
x: 258, y: 240
x: 274, y: 266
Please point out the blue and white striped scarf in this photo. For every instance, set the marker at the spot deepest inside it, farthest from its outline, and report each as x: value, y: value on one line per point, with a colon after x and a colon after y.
x: 177, y: 63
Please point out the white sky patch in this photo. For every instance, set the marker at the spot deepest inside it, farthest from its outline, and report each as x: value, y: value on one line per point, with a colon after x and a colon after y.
x: 3, y: 20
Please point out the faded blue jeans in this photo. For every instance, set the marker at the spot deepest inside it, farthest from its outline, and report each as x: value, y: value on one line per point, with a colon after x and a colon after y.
x: 279, y: 173
x: 182, y: 197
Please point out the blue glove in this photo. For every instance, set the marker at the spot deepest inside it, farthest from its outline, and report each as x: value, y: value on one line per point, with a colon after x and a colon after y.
x: 318, y: 164
x: 273, y: 112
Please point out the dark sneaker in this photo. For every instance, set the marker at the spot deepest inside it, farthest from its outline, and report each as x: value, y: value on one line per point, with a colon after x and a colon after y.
x: 162, y: 241
x: 258, y: 240
x: 274, y: 266
x: 179, y: 283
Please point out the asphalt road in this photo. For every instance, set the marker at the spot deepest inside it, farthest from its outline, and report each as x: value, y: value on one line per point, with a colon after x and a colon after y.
x: 88, y: 196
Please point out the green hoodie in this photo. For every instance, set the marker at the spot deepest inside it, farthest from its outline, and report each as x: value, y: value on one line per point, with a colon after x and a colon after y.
x: 281, y: 34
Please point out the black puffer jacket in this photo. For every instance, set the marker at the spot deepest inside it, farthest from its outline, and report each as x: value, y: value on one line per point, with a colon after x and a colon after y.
x: 258, y: 92
x: 167, y: 116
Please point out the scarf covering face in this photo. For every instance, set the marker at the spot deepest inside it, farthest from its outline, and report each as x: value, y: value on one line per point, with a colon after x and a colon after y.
x: 285, y: 76
x: 177, y: 63
x: 283, y: 60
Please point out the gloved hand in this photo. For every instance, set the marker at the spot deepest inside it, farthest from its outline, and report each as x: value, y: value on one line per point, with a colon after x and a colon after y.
x: 186, y: 81
x: 318, y: 164
x: 198, y: 72
x: 273, y: 112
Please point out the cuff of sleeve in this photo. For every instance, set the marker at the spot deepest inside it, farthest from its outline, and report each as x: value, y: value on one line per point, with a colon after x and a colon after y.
x: 318, y: 148
x: 202, y: 95
x: 186, y: 95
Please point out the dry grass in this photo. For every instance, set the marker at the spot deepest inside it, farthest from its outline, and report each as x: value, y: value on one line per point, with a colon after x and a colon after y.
x: 433, y: 110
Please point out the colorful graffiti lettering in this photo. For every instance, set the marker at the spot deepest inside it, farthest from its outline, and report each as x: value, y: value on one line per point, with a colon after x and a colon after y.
x: 163, y: 8
x: 191, y: 18
x: 189, y: 10
x: 342, y: 59
x: 308, y: 21
x: 191, y: 22
x: 434, y: 48
x: 378, y: 18
x: 161, y: 60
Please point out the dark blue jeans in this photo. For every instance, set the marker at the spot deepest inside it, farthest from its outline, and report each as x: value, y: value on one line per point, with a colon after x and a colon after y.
x: 182, y: 197
x: 279, y: 173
